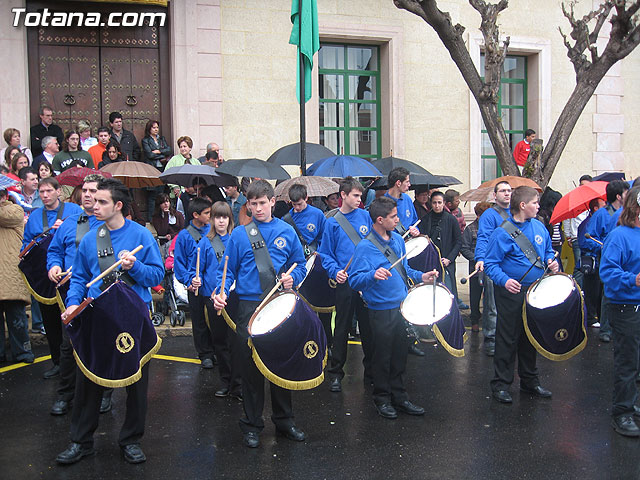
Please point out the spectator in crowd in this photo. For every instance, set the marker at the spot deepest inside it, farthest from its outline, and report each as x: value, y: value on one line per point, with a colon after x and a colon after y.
x: 13, y: 294
x: 45, y: 128
x: 86, y: 140
x: 452, y: 204
x: 125, y: 138
x: 9, y: 152
x: 212, y: 147
x: 166, y: 219
x: 18, y: 162
x: 112, y: 154
x: 12, y: 137
x: 185, y: 144
x: 421, y: 203
x: 333, y: 201
x: 213, y: 157
x: 45, y: 170
x: 523, y: 147
x: 29, y: 196
x: 570, y: 228
x: 236, y: 200
x: 104, y: 137
x: 589, y: 267
x: 70, y: 153
x: 156, y: 152
x: 50, y: 149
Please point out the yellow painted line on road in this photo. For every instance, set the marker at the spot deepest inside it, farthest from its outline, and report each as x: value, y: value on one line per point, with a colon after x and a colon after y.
x: 22, y: 364
x: 178, y: 359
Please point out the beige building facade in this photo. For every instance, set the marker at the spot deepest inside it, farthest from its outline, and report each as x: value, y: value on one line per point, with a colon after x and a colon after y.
x: 232, y: 80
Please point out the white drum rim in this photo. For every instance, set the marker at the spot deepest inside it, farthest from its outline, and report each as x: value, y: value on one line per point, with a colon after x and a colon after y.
x: 439, y: 286
x: 530, y: 290
x: 283, y: 318
x: 417, y: 240
x: 314, y: 255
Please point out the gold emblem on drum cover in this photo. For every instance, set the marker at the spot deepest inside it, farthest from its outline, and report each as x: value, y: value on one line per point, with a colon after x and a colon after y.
x: 310, y: 349
x: 562, y: 335
x: 125, y: 342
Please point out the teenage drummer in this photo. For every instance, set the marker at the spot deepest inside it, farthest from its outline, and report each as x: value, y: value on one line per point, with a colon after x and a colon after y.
x: 398, y: 183
x: 513, y: 271
x: 342, y: 233
x: 620, y: 273
x: 384, y: 290
x: 256, y: 252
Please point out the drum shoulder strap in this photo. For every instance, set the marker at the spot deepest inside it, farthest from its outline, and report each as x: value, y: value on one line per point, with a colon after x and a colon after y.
x: 106, y: 258
x: 522, y: 241
x: 264, y: 264
x: 347, y: 227
x: 82, y: 228
x: 195, y: 234
x: 218, y: 246
x: 400, y: 229
x: 390, y: 255
x: 308, y: 248
x: 610, y: 209
x: 45, y: 220
x: 501, y: 211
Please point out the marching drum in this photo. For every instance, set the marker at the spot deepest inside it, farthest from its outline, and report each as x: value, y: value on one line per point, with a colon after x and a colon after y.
x: 421, y: 308
x: 422, y: 254
x: 288, y: 342
x: 554, y: 317
x: 33, y: 265
x: 315, y: 288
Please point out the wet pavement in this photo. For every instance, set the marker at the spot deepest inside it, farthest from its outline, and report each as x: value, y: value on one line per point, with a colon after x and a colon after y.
x: 465, y: 434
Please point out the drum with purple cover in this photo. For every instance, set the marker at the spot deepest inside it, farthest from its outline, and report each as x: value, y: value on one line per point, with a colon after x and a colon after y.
x: 422, y: 254
x: 288, y: 342
x: 33, y: 265
x: 316, y: 289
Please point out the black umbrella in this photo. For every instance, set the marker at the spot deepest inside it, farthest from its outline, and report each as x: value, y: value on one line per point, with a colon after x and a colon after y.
x: 420, y: 179
x: 290, y: 154
x: 185, y: 175
x: 253, y: 167
x: 609, y: 176
x: 385, y: 165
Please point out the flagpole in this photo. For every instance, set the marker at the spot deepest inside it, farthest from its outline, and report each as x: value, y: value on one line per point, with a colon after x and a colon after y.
x: 303, y: 129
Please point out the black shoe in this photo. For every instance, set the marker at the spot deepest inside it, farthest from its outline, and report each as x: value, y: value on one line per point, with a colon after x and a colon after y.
x: 223, y: 392
x: 414, y: 350
x: 53, y: 372
x: 625, y: 425
x: 105, y: 404
x: 214, y: 359
x: 292, y: 433
x: 409, y: 408
x: 489, y: 349
x: 538, y: 391
x: 251, y: 440
x: 133, y: 453
x: 60, y: 407
x: 636, y: 411
x: 27, y: 359
x: 74, y: 453
x: 207, y: 363
x: 502, y: 396
x: 335, y: 386
x: 237, y: 396
x: 386, y: 410
x: 605, y: 338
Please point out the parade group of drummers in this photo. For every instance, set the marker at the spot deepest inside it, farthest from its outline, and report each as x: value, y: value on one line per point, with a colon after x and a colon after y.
x: 359, y: 259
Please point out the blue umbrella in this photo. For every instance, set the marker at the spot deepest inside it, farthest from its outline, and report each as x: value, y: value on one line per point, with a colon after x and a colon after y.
x: 6, y: 182
x: 342, y: 166
x: 609, y: 176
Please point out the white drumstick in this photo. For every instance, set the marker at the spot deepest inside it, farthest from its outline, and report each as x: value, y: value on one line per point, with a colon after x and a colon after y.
x: 414, y: 225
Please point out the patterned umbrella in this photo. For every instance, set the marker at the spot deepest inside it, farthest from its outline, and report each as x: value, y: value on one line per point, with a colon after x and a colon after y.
x: 316, y: 187
x: 512, y: 180
x: 134, y: 174
x: 74, y: 176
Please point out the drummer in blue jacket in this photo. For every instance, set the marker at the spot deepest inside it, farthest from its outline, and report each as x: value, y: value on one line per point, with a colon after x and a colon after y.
x: 512, y: 273
x: 383, y: 290
x: 284, y: 249
x: 620, y: 272
x: 399, y: 183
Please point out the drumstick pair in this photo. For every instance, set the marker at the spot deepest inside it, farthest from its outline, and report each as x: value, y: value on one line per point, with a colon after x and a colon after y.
x: 276, y: 286
x: 546, y: 269
x: 197, y: 270
x: 414, y: 225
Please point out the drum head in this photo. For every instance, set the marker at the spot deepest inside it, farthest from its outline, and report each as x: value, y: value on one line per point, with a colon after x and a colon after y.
x: 550, y: 291
x: 272, y: 314
x: 309, y: 265
x: 418, y: 309
x: 415, y: 246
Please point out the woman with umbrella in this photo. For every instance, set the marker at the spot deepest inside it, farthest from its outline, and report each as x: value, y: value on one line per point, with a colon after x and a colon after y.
x: 70, y: 153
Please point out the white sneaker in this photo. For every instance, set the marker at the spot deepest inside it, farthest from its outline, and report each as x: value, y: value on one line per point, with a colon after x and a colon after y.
x: 596, y: 325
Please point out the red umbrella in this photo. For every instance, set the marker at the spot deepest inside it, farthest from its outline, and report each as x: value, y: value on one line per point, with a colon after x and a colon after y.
x: 577, y: 201
x: 74, y: 176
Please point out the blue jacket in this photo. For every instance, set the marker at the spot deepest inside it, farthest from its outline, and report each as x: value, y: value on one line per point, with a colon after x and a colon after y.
x: 283, y: 246
x: 620, y: 264
x: 336, y: 248
x: 235, y: 207
x: 406, y: 211
x: 34, y: 225
x: 62, y: 249
x: 380, y: 294
x: 586, y: 245
x: 186, y: 255
x: 310, y: 222
x: 147, y: 271
x: 488, y: 222
x: 210, y: 274
x: 505, y: 259
x: 602, y: 222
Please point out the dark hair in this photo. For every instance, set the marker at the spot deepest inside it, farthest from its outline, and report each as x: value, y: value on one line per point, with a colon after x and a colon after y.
x: 103, y: 129
x: 631, y: 208
x: 198, y: 205
x: 76, y: 195
x: 49, y: 181
x: 348, y: 184
x: 4, y: 169
x: 8, y: 154
x: 585, y: 177
x: 397, y: 174
x: 450, y: 195
x: 212, y: 155
x: 119, y: 193
x: 521, y: 194
x: 3, y: 193
x: 15, y: 158
x: 220, y: 209
x: 149, y: 126
x: 495, y: 189
x: 65, y: 142
x: 113, y: 116
x: 381, y: 207
x: 43, y: 108
x: 115, y: 144
x: 259, y: 189
x: 593, y: 203
x: 24, y: 171
x: 437, y: 193
x: 160, y: 199
x: 49, y: 167
x: 186, y: 139
x: 297, y: 192
x: 528, y: 132
x: 615, y: 188
x: 480, y: 208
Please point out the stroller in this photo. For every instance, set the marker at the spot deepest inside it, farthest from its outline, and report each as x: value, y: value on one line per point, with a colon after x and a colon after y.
x: 175, y: 293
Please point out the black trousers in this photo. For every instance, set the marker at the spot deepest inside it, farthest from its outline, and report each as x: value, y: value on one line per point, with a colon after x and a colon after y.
x: 389, y: 359
x: 592, y: 296
x: 202, y: 336
x: 325, y: 318
x: 625, y: 325
x: 511, y: 340
x: 253, y: 382
x: 86, y: 410
x: 53, y: 326
x: 348, y: 302
x: 475, y: 297
x: 223, y: 343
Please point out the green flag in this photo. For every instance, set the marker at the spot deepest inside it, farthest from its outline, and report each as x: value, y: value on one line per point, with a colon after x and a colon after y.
x: 308, y: 43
